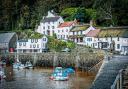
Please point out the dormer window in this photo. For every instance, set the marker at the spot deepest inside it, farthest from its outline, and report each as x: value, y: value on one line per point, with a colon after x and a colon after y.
x: 32, y: 40
x: 36, y: 40
x: 44, y: 39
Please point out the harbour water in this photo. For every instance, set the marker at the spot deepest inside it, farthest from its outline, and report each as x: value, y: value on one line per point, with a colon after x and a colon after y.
x: 38, y: 78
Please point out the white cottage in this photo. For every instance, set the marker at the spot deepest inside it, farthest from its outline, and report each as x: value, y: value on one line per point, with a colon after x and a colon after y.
x: 49, y: 23
x: 63, y: 30
x: 78, y: 32
x: 32, y: 45
x: 112, y: 38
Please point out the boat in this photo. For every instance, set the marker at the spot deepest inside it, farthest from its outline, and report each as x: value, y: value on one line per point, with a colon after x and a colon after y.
x: 18, y: 65
x: 69, y: 71
x: 2, y: 74
x: 28, y: 65
x: 59, y: 75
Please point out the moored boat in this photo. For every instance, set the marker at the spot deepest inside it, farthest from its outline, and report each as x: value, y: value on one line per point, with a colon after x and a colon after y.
x: 59, y: 75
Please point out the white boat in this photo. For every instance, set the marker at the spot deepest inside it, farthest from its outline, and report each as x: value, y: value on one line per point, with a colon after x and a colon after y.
x: 28, y: 65
x: 2, y: 74
x: 18, y: 65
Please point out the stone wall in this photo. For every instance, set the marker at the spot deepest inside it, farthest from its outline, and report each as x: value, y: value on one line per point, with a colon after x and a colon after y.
x: 82, y: 61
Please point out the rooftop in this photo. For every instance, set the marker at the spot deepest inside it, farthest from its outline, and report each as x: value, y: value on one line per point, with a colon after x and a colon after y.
x: 50, y: 19
x: 66, y: 24
x: 79, y: 28
x: 114, y: 32
x: 93, y: 33
x: 6, y: 37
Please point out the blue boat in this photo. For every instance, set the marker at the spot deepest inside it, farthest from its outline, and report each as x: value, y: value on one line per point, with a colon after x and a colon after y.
x: 69, y: 71
x: 59, y: 74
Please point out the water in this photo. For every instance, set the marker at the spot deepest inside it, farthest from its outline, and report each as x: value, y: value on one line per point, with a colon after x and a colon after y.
x: 38, y: 78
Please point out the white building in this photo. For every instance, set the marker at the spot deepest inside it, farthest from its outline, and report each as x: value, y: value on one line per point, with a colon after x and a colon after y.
x: 77, y: 34
x: 63, y: 30
x: 32, y: 45
x: 49, y: 24
x: 114, y: 38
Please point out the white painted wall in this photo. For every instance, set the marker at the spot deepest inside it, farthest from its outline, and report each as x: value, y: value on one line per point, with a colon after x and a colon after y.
x: 32, y: 44
x: 121, y: 42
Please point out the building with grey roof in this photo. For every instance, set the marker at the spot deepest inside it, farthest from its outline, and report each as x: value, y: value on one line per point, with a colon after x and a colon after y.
x: 7, y: 42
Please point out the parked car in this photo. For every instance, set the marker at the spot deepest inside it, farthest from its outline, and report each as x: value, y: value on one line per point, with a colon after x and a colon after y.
x: 45, y: 50
x: 66, y: 50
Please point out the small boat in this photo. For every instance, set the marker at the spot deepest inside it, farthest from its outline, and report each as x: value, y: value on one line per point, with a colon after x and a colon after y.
x: 2, y: 74
x: 28, y: 65
x: 69, y: 71
x: 18, y: 65
x: 59, y: 75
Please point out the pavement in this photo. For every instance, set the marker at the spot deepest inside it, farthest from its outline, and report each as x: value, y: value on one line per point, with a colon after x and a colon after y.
x: 108, y: 71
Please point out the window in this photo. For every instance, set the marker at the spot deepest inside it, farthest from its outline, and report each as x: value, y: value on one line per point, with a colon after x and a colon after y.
x: 61, y: 37
x: 44, y: 27
x: 66, y: 30
x: 44, y: 39
x: 30, y: 46
x: 36, y: 40
x: 32, y: 40
x: 48, y: 27
x: 118, y: 38
x: 58, y: 36
x: 73, y: 33
x: 118, y: 46
x: 89, y: 39
x: 111, y: 38
x: 67, y: 36
x: 43, y: 32
x: 98, y: 38
x: 53, y: 27
x: 80, y: 32
x: 37, y: 45
x: 77, y: 33
x: 64, y: 37
x: 58, y: 31
x: 106, y: 38
x: 34, y: 46
x: 20, y: 44
x: 62, y: 30
x: 24, y: 44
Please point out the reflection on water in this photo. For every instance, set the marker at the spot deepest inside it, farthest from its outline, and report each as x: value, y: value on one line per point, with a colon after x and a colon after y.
x: 39, y: 79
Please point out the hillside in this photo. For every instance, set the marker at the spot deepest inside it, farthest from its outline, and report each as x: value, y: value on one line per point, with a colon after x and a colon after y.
x: 26, y: 14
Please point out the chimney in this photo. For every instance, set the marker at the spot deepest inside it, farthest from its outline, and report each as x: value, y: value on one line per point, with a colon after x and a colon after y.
x: 91, y: 22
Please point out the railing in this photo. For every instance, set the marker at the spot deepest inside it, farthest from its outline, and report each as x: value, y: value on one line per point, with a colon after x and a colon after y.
x: 118, y: 81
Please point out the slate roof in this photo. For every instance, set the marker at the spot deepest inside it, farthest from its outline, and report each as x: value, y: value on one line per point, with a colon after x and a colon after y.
x: 50, y: 19
x: 23, y: 40
x: 6, y: 37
